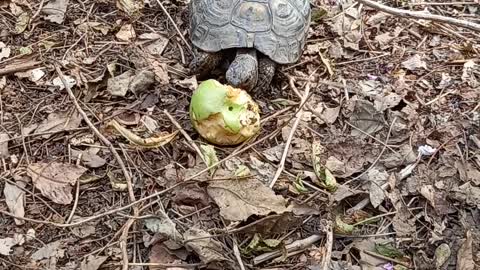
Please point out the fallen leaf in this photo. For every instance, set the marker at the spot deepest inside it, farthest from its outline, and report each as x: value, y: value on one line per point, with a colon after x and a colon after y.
x: 15, y: 199
x: 386, y: 101
x: 34, y: 75
x: 436, y: 199
x: 22, y: 22
x: 126, y: 33
x: 403, y: 223
x: 467, y: 193
x: 414, y: 62
x: 191, y: 194
x: 89, y: 157
x: 131, y: 7
x: 210, y: 156
x: 55, y: 10
x: 164, y: 226
x: 239, y: 199
x: 324, y: 177
x: 55, y: 179
x: 160, y: 70
x: 388, y: 250
x: 366, y: 118
x: 157, y: 46
x: 259, y: 245
x: 152, y: 142
x: 48, y: 251
x: 149, y: 123
x: 59, y: 121
x: 118, y: 86
x: 6, y: 245
x: 442, y: 253
x: 465, y: 254
x: 4, y: 51
x: 159, y: 253
x: 377, y: 179
x: 92, y: 262
x: 3, y: 82
x: 71, y: 82
x: 342, y: 227
x: 190, y: 83
x: 97, y: 26
x: 4, y: 153
x: 206, y: 247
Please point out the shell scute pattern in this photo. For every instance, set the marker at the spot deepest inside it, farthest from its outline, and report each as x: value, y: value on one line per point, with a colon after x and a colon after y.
x: 276, y: 28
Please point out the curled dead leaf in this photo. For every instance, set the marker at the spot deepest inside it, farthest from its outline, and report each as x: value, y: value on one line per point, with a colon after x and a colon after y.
x: 152, y: 142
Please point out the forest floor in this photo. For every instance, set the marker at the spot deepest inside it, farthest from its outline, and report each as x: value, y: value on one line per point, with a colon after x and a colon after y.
x: 382, y: 163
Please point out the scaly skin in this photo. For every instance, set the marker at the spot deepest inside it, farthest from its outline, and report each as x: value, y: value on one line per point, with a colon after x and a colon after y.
x: 245, y: 72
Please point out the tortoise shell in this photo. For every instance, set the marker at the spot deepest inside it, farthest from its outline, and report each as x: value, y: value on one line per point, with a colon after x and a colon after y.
x: 276, y: 28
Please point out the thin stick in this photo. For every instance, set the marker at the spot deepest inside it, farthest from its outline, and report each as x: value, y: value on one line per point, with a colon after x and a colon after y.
x: 19, y: 67
x: 299, y: 244
x: 75, y: 203
x: 185, y: 134
x: 114, y: 152
x: 329, y: 246
x: 371, y: 253
x: 175, y: 25
x: 421, y: 15
x: 290, y: 136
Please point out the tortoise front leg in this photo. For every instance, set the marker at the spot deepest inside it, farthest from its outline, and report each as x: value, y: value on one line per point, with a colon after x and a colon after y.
x: 204, y: 62
x: 243, y: 71
x: 266, y: 71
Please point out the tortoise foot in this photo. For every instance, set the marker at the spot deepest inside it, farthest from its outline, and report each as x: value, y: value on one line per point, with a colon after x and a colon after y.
x: 204, y: 62
x: 243, y: 72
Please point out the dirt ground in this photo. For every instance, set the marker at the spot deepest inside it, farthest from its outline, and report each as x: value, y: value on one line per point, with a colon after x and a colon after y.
x: 373, y: 139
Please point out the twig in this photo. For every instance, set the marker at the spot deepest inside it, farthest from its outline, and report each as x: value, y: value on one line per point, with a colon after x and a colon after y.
x: 238, y: 256
x: 19, y: 67
x: 329, y: 246
x: 299, y: 244
x: 114, y: 152
x: 290, y: 136
x: 185, y: 134
x: 38, y: 10
x: 175, y: 25
x: 421, y: 15
x: 75, y: 203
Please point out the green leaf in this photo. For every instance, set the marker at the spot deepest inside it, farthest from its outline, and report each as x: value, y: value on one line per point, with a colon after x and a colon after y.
x: 210, y: 156
x: 318, y: 14
x: 258, y: 245
x: 342, y: 227
x: 299, y: 185
x: 22, y: 22
x: 388, y: 250
x: 327, y: 180
x: 242, y: 171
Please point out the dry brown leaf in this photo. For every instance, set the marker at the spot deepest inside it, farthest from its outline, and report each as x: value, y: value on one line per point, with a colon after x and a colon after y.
x: 414, y: 62
x: 465, y: 254
x: 4, y: 51
x: 89, y: 157
x: 366, y: 118
x: 15, y: 199
x: 55, y: 10
x: 126, y: 33
x: 59, y: 121
x: 131, y: 7
x: 151, y: 142
x: 207, y: 248
x: 48, y: 251
x: 92, y: 262
x: 55, y: 179
x: 239, y: 199
x: 4, y: 145
x: 160, y: 70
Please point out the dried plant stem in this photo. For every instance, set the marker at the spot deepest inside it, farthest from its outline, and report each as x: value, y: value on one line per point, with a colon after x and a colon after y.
x: 421, y: 15
x: 185, y: 134
x: 128, y: 179
x: 299, y: 244
x: 290, y: 136
x: 174, y: 25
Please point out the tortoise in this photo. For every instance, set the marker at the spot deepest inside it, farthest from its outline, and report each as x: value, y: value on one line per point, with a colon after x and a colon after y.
x: 261, y: 33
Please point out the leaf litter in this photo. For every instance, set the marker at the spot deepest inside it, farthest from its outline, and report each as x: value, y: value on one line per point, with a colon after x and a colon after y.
x: 412, y: 182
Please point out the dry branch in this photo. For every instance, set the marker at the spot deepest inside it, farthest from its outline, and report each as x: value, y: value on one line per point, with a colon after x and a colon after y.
x: 421, y: 15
